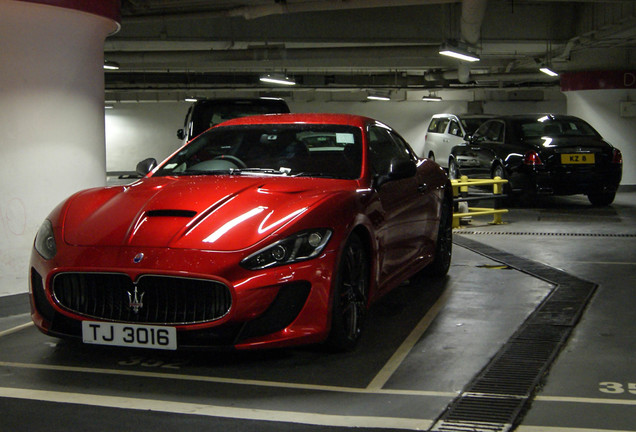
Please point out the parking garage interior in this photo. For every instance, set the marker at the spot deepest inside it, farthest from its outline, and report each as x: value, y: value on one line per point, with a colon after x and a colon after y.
x: 532, y: 329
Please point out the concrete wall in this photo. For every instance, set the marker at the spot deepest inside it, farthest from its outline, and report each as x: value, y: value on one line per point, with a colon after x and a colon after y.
x: 601, y: 108
x: 135, y: 131
x: 51, y: 118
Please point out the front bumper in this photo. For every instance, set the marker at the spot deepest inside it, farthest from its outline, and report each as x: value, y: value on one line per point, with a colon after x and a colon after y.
x: 280, y: 306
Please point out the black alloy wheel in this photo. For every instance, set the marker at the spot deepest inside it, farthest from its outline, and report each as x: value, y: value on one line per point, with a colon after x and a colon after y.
x: 499, y: 171
x: 453, y: 170
x: 443, y: 248
x: 350, y: 296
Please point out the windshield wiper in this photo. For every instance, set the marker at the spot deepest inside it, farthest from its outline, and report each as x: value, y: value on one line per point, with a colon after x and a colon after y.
x: 317, y: 174
x: 248, y: 171
x: 201, y: 172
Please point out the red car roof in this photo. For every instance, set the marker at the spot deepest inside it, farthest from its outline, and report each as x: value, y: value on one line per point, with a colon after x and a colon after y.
x: 344, y: 119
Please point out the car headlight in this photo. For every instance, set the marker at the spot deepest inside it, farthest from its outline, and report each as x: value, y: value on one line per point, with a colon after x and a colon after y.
x: 298, y: 247
x: 45, y: 241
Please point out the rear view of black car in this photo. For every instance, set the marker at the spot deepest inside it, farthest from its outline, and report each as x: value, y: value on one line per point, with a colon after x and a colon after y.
x: 542, y: 154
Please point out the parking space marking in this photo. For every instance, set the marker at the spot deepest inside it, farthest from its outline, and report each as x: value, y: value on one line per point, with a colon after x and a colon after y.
x: 15, y: 329
x: 405, y: 348
x: 585, y: 400
x: 217, y: 411
x: 564, y: 429
x: 219, y: 380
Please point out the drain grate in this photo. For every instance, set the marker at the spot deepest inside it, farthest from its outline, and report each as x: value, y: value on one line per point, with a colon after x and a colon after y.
x: 496, y: 397
x: 463, y: 426
x: 553, y: 234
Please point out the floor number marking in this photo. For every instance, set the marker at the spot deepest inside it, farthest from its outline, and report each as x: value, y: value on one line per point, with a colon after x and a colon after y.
x: 151, y: 363
x: 611, y: 387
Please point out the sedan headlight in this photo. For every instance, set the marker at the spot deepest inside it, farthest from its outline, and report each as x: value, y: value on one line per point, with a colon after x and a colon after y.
x: 45, y: 241
x: 298, y: 247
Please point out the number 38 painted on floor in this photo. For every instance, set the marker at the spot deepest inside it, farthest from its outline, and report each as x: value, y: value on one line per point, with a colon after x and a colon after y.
x: 616, y: 388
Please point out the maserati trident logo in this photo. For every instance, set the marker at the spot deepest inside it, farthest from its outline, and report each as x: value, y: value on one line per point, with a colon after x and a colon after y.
x: 135, y: 300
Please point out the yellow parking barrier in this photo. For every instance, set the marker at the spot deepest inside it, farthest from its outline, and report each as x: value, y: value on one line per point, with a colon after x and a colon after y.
x: 461, y: 194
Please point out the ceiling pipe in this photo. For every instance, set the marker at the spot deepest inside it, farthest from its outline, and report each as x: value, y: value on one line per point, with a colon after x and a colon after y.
x: 473, y: 12
x: 502, y: 77
x: 254, y: 58
x: 280, y: 8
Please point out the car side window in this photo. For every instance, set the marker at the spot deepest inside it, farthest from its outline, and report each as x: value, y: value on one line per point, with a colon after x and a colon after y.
x: 454, y: 128
x: 490, y: 131
x: 441, y: 127
x: 432, y: 127
x: 404, y: 148
x: 496, y: 132
x: 480, y: 133
x: 383, y: 148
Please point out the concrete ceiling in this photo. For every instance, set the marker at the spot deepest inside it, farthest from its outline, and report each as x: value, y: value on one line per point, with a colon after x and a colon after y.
x: 171, y: 49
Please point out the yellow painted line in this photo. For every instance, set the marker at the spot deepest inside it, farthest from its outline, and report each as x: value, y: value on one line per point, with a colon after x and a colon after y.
x: 403, y: 351
x: 219, y: 380
x: 217, y: 411
x: 15, y: 329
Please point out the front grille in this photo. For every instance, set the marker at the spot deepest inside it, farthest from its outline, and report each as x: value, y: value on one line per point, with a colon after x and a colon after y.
x: 153, y: 299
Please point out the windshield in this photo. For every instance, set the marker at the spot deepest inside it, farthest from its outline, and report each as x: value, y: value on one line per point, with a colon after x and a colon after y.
x: 471, y: 124
x: 554, y: 127
x: 333, y: 151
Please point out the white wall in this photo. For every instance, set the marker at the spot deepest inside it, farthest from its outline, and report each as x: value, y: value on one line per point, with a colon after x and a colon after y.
x: 135, y: 131
x: 51, y: 118
x: 601, y: 108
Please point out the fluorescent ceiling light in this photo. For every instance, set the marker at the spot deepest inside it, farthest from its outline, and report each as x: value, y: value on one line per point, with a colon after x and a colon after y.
x: 546, y: 70
x: 190, y: 99
x: 432, y: 98
x: 111, y: 65
x: 378, y: 97
x: 457, y: 52
x: 277, y: 79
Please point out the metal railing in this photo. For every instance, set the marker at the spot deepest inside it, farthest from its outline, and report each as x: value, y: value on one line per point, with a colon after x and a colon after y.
x: 461, y: 193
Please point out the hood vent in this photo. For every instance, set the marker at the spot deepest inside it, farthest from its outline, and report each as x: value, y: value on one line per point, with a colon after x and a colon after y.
x: 171, y: 213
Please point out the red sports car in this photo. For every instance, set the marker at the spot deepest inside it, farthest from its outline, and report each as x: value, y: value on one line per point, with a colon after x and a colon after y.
x: 264, y: 231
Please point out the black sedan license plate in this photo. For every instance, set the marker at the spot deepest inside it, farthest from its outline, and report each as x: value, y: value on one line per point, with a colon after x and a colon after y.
x: 577, y: 158
x: 129, y: 335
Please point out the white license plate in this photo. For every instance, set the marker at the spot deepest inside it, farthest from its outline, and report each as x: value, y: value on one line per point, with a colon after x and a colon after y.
x: 129, y: 335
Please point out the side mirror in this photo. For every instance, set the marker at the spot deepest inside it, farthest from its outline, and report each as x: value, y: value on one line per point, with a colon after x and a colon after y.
x: 145, y: 166
x: 398, y: 169
x: 181, y: 134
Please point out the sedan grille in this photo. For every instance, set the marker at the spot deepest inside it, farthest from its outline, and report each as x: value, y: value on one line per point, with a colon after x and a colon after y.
x: 153, y: 299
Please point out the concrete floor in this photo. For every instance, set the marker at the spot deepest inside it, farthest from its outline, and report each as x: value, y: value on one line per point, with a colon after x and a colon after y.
x: 422, y: 349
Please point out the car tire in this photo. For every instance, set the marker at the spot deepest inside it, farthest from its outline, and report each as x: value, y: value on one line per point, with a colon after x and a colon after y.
x: 443, y: 248
x: 499, y: 171
x: 511, y: 198
x: 601, y: 199
x: 349, y: 303
x: 431, y: 156
x: 453, y: 170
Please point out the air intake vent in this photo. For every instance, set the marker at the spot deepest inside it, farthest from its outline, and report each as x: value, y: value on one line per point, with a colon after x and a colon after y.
x: 171, y: 213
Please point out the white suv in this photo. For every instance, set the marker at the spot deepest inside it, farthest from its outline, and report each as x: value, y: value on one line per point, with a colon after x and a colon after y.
x: 445, y: 131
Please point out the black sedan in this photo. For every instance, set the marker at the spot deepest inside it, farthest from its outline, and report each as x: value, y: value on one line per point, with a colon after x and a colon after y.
x: 542, y: 154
